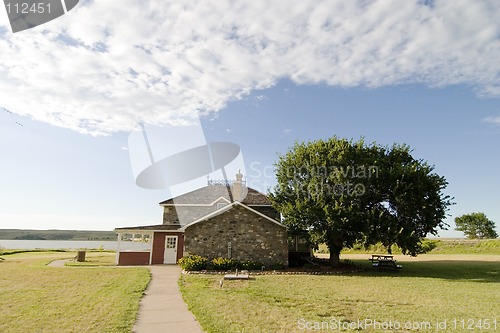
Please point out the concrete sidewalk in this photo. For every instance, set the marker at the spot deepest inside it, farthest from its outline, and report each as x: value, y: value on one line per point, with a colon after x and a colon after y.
x: 162, y: 309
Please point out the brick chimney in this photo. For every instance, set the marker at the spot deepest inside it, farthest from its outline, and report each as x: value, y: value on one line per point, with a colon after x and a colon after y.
x: 238, y: 187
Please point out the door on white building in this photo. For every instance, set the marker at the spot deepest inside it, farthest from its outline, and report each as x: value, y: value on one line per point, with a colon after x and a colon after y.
x: 170, y: 255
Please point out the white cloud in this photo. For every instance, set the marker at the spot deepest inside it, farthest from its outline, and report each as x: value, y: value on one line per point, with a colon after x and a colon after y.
x: 492, y: 119
x: 106, y: 65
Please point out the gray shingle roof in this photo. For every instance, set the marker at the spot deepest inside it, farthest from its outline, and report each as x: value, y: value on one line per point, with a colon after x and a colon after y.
x: 208, y: 194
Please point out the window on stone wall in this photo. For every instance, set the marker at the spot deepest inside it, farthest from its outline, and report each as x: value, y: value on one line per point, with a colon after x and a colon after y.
x: 298, y: 243
x: 292, y: 243
x: 302, y: 244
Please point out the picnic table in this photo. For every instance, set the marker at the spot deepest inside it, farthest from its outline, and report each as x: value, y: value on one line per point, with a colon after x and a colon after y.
x: 382, y: 261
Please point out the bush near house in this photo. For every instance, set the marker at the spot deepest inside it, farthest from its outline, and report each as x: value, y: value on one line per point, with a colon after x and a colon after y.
x: 224, y: 264
x: 193, y: 263
x: 251, y: 265
x: 199, y: 263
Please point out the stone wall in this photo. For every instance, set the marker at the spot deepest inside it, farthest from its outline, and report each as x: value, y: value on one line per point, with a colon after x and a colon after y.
x: 252, y: 237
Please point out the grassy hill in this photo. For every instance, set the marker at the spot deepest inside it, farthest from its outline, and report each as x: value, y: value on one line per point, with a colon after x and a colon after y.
x: 57, y: 234
x: 436, y: 246
x: 465, y: 246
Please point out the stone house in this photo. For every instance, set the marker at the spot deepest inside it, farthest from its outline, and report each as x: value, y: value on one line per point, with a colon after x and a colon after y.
x: 223, y: 219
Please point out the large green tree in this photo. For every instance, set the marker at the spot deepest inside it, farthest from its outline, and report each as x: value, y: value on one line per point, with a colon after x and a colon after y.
x: 476, y: 225
x: 409, y: 203
x: 343, y: 192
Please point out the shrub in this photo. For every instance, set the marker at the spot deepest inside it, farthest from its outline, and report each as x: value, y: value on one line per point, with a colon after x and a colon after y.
x: 277, y: 266
x: 251, y: 265
x: 358, y: 246
x: 322, y: 248
x: 428, y: 245
x: 224, y: 264
x: 193, y: 263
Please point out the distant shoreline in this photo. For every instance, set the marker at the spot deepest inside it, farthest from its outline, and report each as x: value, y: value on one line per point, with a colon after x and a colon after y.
x: 72, y: 235
x: 7, y: 245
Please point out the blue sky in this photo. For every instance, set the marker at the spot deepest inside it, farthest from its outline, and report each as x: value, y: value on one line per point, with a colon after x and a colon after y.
x: 427, y: 74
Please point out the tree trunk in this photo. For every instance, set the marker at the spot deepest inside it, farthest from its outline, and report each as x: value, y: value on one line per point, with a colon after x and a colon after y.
x: 334, y: 258
x: 334, y: 254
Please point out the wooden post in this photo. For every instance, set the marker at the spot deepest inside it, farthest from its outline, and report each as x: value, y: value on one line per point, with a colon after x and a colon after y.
x: 119, y: 240
x: 151, y: 241
x: 81, y: 256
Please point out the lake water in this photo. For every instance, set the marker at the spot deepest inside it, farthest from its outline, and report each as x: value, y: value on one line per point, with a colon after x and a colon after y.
x: 70, y: 245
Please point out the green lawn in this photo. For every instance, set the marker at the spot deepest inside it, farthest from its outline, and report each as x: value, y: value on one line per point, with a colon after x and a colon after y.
x: 37, y: 298
x: 95, y: 259
x: 422, y: 294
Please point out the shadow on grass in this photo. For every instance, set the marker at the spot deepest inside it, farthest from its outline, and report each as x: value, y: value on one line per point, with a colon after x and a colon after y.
x: 455, y: 270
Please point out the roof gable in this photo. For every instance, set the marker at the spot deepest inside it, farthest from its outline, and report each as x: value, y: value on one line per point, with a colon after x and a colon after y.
x: 227, y: 208
x: 209, y: 195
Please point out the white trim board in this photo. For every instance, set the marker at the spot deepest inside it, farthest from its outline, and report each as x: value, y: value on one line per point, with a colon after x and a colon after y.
x: 143, y: 231
x: 197, y: 205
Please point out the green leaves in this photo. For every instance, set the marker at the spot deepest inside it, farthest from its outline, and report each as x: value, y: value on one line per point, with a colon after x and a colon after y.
x: 343, y: 191
x: 476, y: 225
